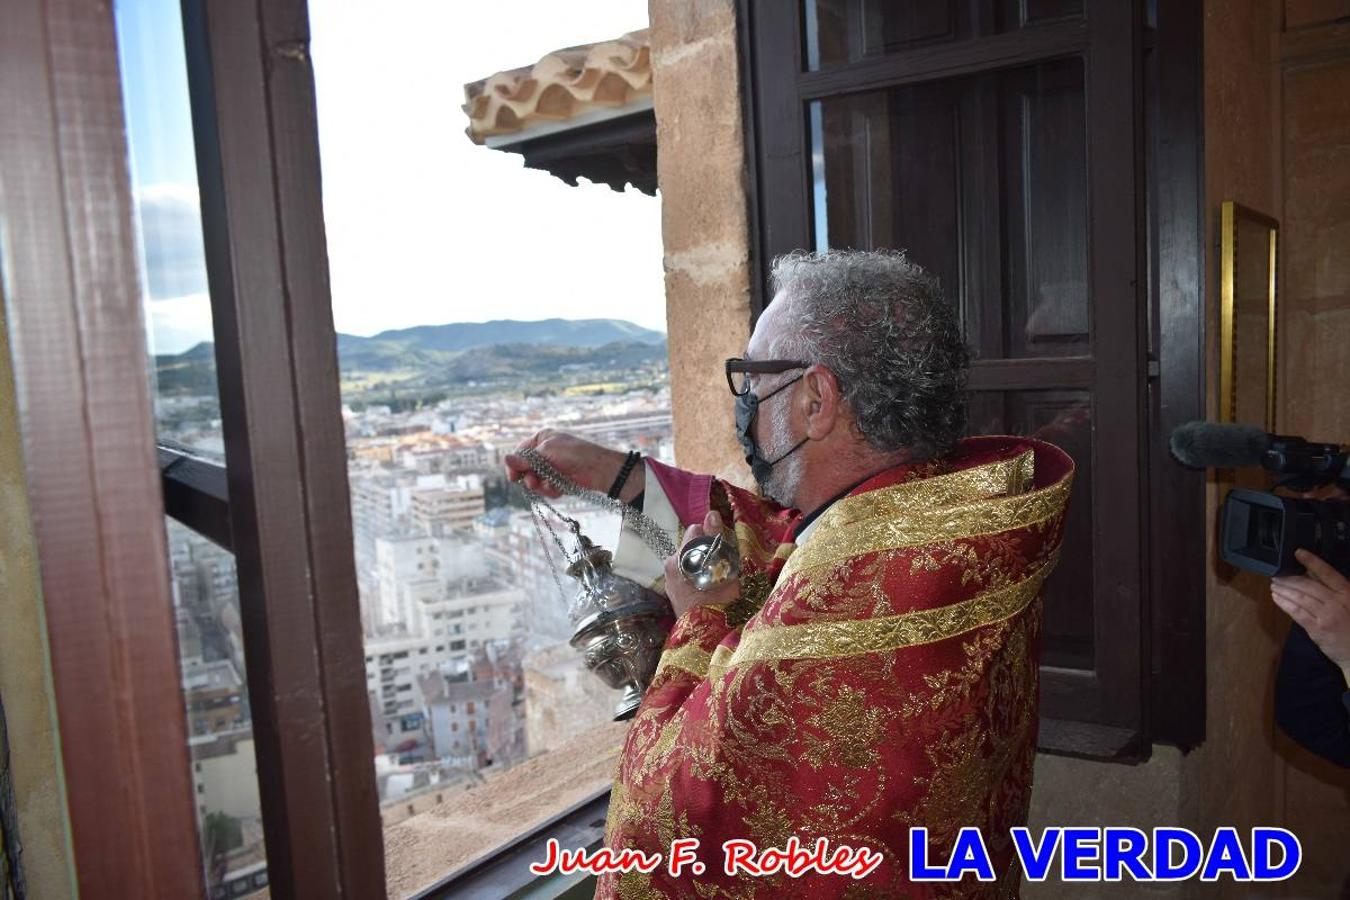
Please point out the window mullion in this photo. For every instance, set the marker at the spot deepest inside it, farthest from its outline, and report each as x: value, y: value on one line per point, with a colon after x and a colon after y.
x: 196, y: 494
x: 1002, y: 51
x: 251, y: 90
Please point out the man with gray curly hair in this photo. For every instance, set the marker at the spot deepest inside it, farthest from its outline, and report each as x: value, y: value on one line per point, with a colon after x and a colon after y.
x: 863, y: 685
x: 874, y: 333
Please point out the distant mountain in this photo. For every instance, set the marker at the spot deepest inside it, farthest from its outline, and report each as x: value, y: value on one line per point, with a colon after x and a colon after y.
x: 467, y: 335
x: 432, y: 345
x: 201, y: 352
x: 460, y: 352
x: 501, y: 362
x: 191, y: 372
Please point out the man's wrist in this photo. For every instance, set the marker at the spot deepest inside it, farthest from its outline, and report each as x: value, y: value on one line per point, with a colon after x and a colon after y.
x: 630, y: 461
x: 636, y: 483
x: 599, y: 475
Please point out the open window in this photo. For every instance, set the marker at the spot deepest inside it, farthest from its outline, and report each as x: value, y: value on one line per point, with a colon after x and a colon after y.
x: 1017, y: 151
x: 342, y: 538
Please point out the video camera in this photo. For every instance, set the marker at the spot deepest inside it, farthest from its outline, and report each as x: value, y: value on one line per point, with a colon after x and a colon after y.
x: 1260, y: 531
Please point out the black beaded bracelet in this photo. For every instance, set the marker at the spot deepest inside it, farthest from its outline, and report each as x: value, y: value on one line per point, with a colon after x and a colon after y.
x: 622, y: 479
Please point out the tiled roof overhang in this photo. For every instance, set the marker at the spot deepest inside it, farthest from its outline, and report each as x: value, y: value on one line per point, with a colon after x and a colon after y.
x: 579, y: 112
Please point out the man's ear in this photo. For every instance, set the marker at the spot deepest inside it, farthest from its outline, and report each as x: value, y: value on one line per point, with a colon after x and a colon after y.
x: 823, y: 402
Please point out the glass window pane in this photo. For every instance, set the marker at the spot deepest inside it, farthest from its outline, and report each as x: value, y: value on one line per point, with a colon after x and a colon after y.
x: 169, y: 228
x: 490, y: 325
x: 182, y: 369
x: 983, y: 181
x: 838, y: 32
x: 1064, y: 418
x: 220, y: 724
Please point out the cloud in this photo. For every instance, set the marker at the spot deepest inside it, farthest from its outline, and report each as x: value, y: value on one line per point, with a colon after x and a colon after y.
x: 178, y: 323
x: 171, y: 231
x: 425, y: 227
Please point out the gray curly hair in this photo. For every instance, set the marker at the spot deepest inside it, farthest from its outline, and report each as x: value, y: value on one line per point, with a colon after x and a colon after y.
x: 881, y: 325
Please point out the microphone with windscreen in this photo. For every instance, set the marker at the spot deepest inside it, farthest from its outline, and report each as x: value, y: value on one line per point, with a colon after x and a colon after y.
x: 1261, y: 531
x: 1205, y: 445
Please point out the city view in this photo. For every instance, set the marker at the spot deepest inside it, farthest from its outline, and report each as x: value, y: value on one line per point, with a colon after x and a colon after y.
x: 724, y: 450
x: 468, y: 670
x: 462, y: 330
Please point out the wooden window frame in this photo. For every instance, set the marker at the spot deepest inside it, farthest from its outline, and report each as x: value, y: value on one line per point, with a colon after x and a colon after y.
x: 1149, y: 681
x: 99, y: 493
x: 279, y: 388
x: 73, y: 299
x: 196, y: 493
x: 251, y: 90
x: 73, y: 305
x: 100, y: 487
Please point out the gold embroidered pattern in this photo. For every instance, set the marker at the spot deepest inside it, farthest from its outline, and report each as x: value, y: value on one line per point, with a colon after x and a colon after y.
x: 956, y: 791
x: 991, y: 562
x: 955, y: 685
x: 820, y: 640
x: 834, y: 711
x: 721, y: 660
x: 921, y: 525
x: 846, y: 729
x: 755, y: 589
x: 638, y: 886
x: 850, y: 590
x: 656, y: 754
x: 690, y: 658
x: 1002, y: 478
x: 752, y: 547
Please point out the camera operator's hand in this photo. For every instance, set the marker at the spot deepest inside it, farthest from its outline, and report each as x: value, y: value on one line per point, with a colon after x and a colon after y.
x: 683, y: 595
x: 588, y: 464
x: 1332, y: 491
x: 1320, y: 602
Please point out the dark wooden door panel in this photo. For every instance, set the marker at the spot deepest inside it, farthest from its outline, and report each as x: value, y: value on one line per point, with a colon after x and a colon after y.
x: 1048, y: 312
x: 1065, y: 419
x: 840, y: 32
x: 983, y: 181
x: 1000, y: 144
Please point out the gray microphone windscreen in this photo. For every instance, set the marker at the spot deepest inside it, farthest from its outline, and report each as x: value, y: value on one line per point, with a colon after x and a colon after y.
x: 1203, y: 445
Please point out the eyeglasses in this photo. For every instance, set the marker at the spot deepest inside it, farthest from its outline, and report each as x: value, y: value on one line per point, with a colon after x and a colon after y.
x: 739, y: 370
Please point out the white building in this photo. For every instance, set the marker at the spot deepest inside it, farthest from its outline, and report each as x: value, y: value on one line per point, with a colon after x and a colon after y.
x: 459, y: 713
x: 471, y: 613
x: 447, y: 508
x: 224, y: 774
x: 415, y: 568
x: 533, y: 572
x: 562, y: 698
x: 442, y: 635
x: 394, y: 664
x: 379, y: 509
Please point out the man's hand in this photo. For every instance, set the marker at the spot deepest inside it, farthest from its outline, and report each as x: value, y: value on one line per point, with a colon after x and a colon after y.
x: 683, y: 595
x: 588, y: 464
x: 1320, y: 602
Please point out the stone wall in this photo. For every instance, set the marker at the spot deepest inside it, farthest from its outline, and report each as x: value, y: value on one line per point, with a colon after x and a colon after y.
x: 702, y: 177
x: 1231, y: 778
x: 1314, y: 97
x: 1315, y: 268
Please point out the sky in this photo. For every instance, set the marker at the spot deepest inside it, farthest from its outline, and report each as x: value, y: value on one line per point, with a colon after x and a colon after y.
x: 424, y: 226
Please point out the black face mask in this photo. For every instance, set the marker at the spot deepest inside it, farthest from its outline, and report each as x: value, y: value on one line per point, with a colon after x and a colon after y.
x: 747, y: 408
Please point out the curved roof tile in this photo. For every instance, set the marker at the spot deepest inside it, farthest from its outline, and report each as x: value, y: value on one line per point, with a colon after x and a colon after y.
x: 563, y: 84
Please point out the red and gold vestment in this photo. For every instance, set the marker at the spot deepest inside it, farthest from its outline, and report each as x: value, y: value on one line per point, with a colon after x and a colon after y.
x: 880, y: 675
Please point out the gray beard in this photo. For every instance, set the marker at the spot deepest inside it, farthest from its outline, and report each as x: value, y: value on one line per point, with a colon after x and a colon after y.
x: 786, y: 476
